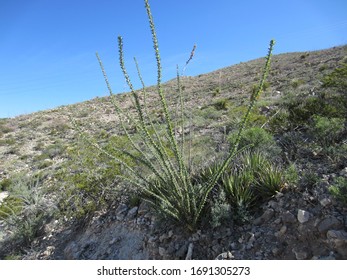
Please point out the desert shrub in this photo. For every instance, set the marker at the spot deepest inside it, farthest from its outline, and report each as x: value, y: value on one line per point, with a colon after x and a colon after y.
x: 337, y: 78
x: 303, y: 108
x: 44, y: 164
x: 216, y: 92
x: 323, y: 68
x: 222, y: 104
x: 295, y: 83
x: 339, y: 189
x: 82, y: 192
x: 256, y: 138
x: 26, y: 210
x: 39, y: 145
x: 54, y: 150
x: 50, y: 152
x: 291, y: 175
x: 220, y: 210
x: 303, y: 56
x: 255, y: 118
x: 327, y: 130
x: 280, y: 121
x: 7, y: 141
x: 5, y: 184
x: 5, y: 129
x: 336, y: 155
x: 309, y: 179
x: 329, y: 102
x: 209, y: 113
x: 266, y: 86
x: 10, y: 206
x: 165, y: 176
x: 59, y: 128
x: 89, y: 177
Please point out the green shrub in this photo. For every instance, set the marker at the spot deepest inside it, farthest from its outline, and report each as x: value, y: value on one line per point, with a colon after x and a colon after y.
x: 5, y: 184
x: 50, y: 152
x: 83, y: 191
x: 327, y: 130
x: 90, y: 177
x: 5, y: 129
x: 10, y: 206
x: 7, y: 142
x: 255, y: 136
x: 280, y: 121
x: 329, y: 102
x: 296, y: 83
x: 302, y: 109
x: 209, y: 113
x: 255, y: 86
x: 220, y: 210
x: 54, y: 150
x: 221, y: 104
x: 26, y: 210
x: 337, y: 79
x: 59, y: 128
x: 216, y: 92
x: 44, y: 164
x: 339, y: 189
x: 291, y: 175
x: 323, y: 68
x: 255, y: 118
x: 309, y: 179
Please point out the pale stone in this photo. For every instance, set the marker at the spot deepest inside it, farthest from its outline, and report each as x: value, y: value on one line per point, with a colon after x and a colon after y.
x: 325, y: 202
x: 303, y: 216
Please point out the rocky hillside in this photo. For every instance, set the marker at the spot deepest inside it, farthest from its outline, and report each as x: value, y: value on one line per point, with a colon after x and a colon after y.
x: 65, y: 198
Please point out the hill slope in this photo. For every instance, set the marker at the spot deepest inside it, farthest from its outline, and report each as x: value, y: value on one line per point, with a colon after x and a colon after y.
x: 302, y: 118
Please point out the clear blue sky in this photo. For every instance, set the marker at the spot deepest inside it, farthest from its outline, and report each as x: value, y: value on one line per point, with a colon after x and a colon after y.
x: 47, y: 47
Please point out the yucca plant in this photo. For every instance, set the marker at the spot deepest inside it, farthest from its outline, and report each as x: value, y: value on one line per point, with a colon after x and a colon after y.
x: 270, y: 181
x: 239, y: 188
x: 168, y: 183
x: 251, y: 179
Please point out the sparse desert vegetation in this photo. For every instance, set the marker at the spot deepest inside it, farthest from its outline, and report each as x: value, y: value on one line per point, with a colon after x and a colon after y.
x: 229, y: 161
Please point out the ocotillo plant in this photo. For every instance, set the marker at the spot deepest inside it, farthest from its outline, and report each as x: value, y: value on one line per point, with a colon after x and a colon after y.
x: 169, y: 187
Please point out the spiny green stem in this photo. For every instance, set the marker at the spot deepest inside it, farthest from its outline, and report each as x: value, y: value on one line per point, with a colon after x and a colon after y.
x: 233, y: 151
x: 160, y: 91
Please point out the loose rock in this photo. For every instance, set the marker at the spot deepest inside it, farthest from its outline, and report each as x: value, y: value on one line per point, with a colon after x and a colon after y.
x: 325, y: 202
x: 338, y: 238
x: 328, y: 223
x: 303, y: 216
x: 300, y: 254
x: 288, y: 218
